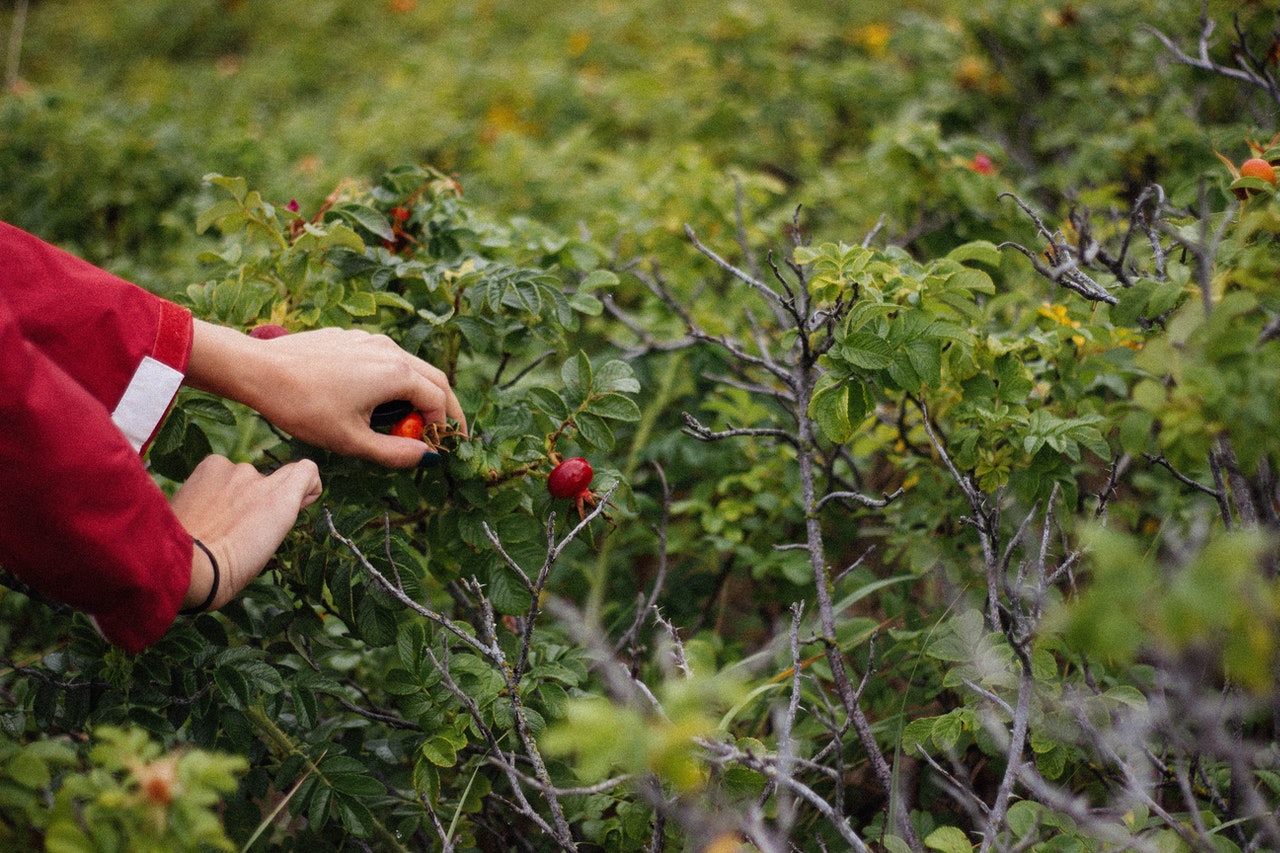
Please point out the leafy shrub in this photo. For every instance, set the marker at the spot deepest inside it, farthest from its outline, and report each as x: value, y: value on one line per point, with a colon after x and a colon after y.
x: 946, y: 529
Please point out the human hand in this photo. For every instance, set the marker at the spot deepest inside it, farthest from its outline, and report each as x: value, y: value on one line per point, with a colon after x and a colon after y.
x: 321, y: 386
x: 241, y: 516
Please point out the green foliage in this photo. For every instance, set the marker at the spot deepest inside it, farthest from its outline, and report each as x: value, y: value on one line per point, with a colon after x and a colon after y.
x: 124, y: 792
x: 935, y: 494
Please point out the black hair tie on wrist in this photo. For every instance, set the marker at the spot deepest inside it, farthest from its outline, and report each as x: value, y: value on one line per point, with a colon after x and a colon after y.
x: 213, y: 590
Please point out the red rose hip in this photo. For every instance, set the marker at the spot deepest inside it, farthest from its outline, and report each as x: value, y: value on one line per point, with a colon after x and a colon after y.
x: 571, y: 479
x: 267, y: 331
x: 411, y: 426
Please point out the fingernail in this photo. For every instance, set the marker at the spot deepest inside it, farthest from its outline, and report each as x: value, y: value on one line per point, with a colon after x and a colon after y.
x: 430, y: 459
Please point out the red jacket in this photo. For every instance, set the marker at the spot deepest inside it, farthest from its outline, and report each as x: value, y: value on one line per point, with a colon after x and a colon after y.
x: 89, y: 366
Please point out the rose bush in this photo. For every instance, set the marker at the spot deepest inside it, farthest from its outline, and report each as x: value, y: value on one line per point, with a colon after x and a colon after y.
x: 929, y: 380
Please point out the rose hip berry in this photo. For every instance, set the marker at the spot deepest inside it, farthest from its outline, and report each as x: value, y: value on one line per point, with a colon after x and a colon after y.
x: 570, y: 479
x: 410, y: 426
x: 1256, y: 167
x: 267, y: 331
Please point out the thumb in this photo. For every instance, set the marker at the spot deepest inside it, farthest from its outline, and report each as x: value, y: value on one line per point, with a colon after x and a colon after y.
x: 396, y: 451
x: 299, y: 482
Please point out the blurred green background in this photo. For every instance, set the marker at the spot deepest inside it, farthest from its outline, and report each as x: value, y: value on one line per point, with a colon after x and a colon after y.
x: 623, y: 119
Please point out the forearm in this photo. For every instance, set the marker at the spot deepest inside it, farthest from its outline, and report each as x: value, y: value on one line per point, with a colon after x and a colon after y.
x: 231, y: 364
x: 321, y: 386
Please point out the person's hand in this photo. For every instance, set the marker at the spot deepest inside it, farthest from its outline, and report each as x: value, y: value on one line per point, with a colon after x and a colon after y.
x: 321, y: 386
x: 241, y: 516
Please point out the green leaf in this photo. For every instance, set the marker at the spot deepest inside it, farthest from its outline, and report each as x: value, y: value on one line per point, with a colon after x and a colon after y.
x: 830, y: 408
x: 238, y: 187
x: 210, y: 217
x: 392, y: 300
x: 867, y: 351
x: 585, y: 303
x: 576, y: 374
x: 599, y: 278
x: 357, y: 784
x: 439, y: 752
x: 426, y: 780
x: 894, y: 844
x: 366, y: 217
x: 507, y: 594
x: 28, y: 770
x: 947, y: 731
x: 614, y: 406
x: 549, y: 402
x: 209, y: 409
x: 948, y: 839
x: 355, y: 816
x: 979, y: 251
x: 616, y: 375
x: 360, y: 304
x: 594, y: 431
x: 318, y: 810
x: 233, y: 686
x: 972, y: 280
x: 1024, y: 817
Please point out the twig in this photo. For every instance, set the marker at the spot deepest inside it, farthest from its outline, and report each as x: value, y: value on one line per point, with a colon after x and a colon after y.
x: 695, y: 428
x: 660, y: 577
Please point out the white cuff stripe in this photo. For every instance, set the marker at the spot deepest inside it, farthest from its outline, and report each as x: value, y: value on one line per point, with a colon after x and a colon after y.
x: 146, y: 400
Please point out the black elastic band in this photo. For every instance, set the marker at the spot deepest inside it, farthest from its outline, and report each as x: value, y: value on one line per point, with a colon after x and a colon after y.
x: 213, y: 590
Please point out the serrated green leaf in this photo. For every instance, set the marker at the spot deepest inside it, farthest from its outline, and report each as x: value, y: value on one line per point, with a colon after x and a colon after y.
x: 360, y: 304
x: 1024, y: 817
x: 226, y: 207
x: 594, y: 431
x: 318, y: 808
x: 356, y: 784
x: 948, y: 839
x: 614, y: 406
x: 616, y: 375
x: 830, y: 408
x: 979, y: 251
x: 439, y: 752
x: 233, y: 686
x: 426, y: 780
x: 576, y: 374
x: 866, y: 351
x: 238, y: 187
x: 209, y: 409
x: 367, y: 218
x: 585, y: 303
x: 355, y: 816
x: 947, y: 731
x: 392, y: 300
x: 549, y: 402
x: 599, y: 278
x: 894, y: 844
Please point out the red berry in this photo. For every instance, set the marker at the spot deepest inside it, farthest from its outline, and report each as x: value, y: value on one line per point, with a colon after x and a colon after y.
x: 267, y: 331
x: 410, y: 426
x: 570, y: 479
x: 982, y: 164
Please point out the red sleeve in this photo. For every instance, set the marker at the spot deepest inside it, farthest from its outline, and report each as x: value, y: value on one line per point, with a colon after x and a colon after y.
x: 126, y: 347
x: 80, y: 518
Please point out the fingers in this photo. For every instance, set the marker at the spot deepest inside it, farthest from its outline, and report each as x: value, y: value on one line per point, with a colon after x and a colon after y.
x: 391, y: 450
x: 435, y: 398
x: 242, y: 515
x: 299, y: 483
